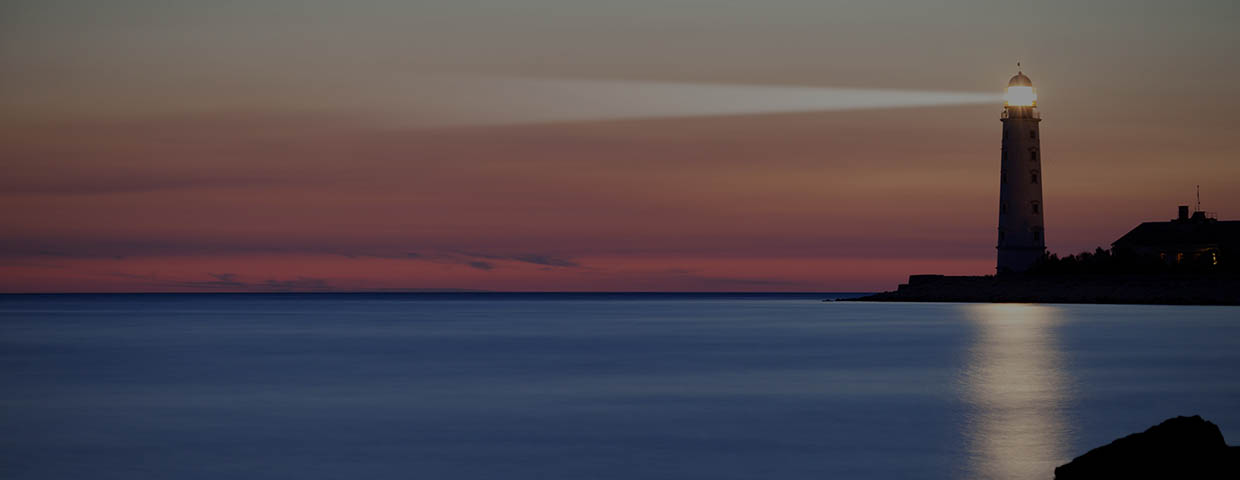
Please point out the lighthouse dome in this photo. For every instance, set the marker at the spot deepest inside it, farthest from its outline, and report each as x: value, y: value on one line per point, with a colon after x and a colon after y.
x: 1020, y: 92
x: 1020, y: 80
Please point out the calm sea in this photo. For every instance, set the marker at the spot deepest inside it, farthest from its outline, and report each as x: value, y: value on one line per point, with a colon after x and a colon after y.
x: 566, y: 386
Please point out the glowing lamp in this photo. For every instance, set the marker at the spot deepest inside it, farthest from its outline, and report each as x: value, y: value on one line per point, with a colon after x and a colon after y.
x: 1020, y: 92
x: 1020, y: 97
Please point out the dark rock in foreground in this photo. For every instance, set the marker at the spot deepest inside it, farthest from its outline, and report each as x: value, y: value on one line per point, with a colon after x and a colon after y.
x: 1181, y: 447
x: 1167, y: 289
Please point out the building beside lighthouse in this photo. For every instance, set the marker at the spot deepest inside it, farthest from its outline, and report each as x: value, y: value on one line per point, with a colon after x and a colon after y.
x: 1022, y: 236
x: 1199, y: 241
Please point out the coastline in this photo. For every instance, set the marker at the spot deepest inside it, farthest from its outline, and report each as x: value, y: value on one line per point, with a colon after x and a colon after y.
x: 1141, y: 289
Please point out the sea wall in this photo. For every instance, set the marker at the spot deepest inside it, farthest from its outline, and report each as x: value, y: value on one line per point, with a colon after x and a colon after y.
x: 1165, y: 289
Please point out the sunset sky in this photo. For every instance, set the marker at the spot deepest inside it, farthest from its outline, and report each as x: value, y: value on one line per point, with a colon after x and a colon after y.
x: 643, y: 145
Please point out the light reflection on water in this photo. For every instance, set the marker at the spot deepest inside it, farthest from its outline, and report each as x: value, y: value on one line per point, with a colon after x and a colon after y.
x: 1018, y: 389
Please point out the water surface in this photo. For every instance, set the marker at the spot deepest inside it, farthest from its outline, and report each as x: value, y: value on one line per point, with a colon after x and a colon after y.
x: 525, y: 386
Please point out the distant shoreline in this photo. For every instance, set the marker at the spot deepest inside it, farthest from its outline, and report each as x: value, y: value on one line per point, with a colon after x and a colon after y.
x: 459, y: 293
x: 1137, y: 289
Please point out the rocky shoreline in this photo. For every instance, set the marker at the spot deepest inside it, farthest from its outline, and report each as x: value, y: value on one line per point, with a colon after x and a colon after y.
x: 1154, y: 289
x: 1180, y: 447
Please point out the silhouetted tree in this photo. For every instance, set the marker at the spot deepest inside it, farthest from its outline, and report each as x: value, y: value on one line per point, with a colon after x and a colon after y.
x: 1114, y: 262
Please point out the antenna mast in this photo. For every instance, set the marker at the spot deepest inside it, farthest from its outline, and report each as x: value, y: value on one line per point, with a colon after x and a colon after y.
x: 1198, y: 198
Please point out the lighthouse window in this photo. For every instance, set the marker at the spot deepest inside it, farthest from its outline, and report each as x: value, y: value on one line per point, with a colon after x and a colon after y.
x: 1037, y: 235
x: 1033, y: 176
x: 1033, y: 134
x: 1037, y: 207
x: 1002, y: 176
x: 1033, y: 154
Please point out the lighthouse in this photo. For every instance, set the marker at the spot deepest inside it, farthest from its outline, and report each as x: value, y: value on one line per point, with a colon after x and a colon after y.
x: 1022, y: 238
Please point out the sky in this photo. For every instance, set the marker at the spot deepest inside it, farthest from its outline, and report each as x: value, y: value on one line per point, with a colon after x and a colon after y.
x: 569, y: 145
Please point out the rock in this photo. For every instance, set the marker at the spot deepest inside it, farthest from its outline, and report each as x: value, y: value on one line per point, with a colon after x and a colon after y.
x: 1181, y: 447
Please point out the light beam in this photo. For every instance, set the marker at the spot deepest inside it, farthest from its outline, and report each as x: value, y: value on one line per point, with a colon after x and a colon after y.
x: 461, y: 101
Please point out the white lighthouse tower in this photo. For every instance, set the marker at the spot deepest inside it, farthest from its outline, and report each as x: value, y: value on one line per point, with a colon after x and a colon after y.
x: 1022, y: 239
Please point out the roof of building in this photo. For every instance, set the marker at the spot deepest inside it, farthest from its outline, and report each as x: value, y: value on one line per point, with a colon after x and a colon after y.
x: 1020, y: 80
x: 1182, y: 232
